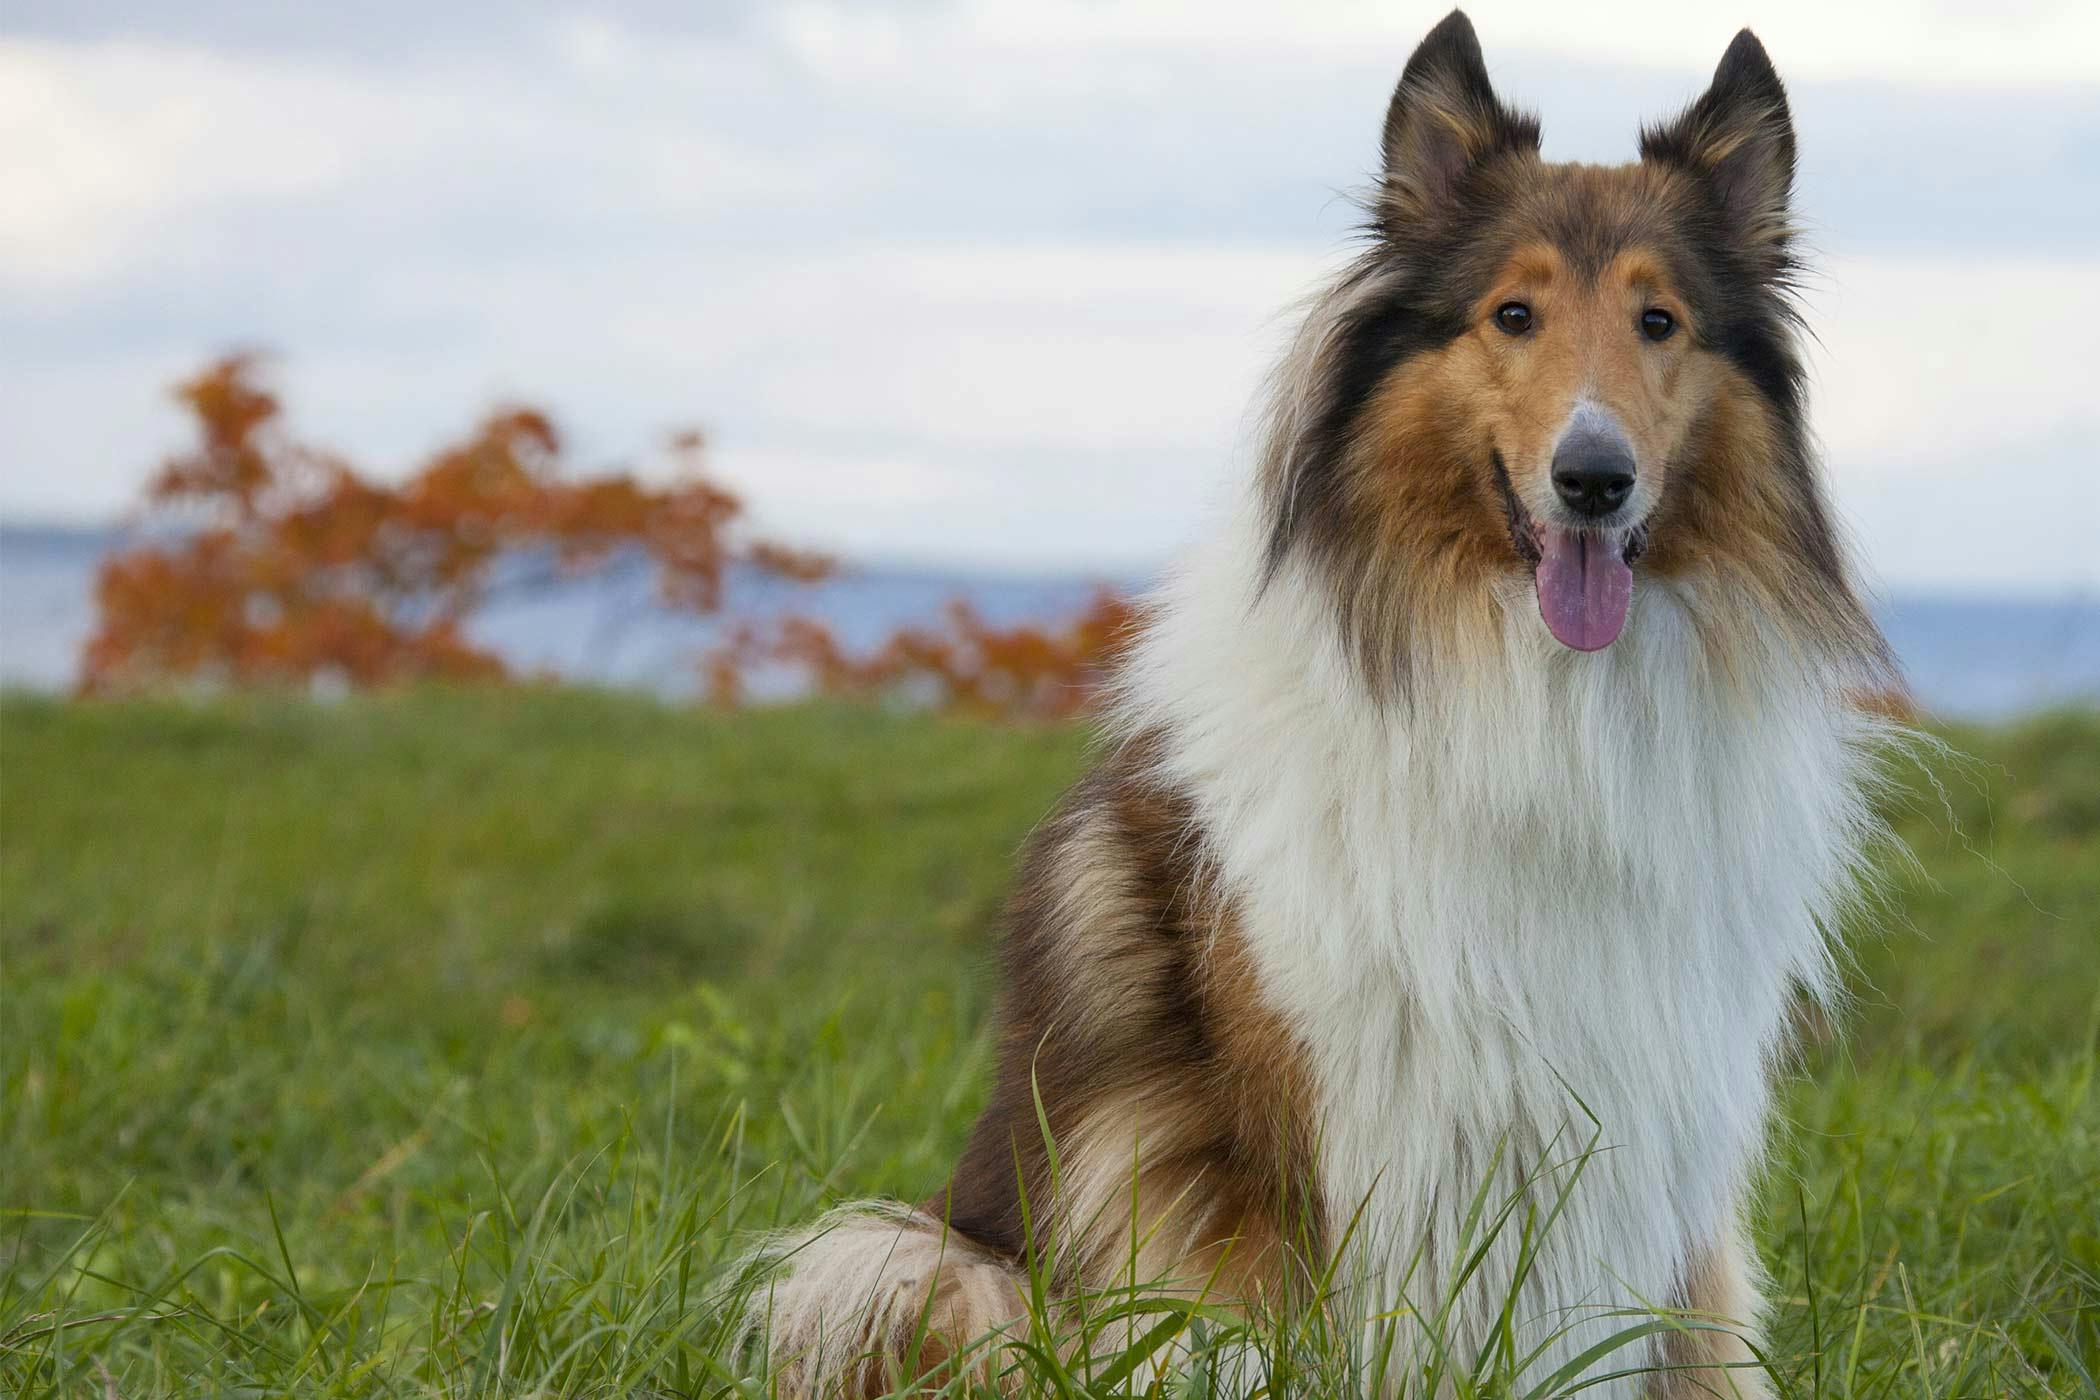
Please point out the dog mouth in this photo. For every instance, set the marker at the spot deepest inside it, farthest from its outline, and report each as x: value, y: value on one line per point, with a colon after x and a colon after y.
x: 1584, y: 576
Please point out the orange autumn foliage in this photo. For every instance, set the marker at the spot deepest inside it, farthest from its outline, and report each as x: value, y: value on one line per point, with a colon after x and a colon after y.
x: 296, y: 566
x: 966, y: 665
x: 284, y: 564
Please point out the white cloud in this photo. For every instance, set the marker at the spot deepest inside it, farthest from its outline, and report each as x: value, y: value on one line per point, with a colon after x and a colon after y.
x: 95, y: 149
x: 982, y: 280
x: 1952, y: 359
x: 1970, y: 45
x: 121, y: 155
x: 1953, y: 42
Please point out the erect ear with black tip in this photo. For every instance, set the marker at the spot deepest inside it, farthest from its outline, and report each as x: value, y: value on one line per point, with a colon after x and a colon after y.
x: 1445, y: 120
x: 1740, y: 136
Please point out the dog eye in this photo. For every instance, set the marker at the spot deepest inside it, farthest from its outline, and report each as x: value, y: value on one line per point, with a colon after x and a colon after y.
x: 1657, y: 324
x: 1514, y: 317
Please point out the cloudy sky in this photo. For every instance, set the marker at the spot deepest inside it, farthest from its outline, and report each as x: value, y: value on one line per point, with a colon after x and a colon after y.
x: 977, y: 282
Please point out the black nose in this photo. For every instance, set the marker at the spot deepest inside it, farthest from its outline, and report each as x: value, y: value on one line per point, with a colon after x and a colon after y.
x: 1593, y: 471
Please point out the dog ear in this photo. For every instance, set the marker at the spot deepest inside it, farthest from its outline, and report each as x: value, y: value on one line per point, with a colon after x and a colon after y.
x: 1740, y: 137
x: 1444, y: 121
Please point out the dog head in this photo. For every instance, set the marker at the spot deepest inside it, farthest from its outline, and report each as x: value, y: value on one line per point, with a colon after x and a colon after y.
x: 1571, y: 375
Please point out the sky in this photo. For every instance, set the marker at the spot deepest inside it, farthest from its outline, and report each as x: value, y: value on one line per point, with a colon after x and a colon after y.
x: 978, y: 283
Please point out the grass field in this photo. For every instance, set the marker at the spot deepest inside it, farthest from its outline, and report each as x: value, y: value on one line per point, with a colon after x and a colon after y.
x: 451, y: 1043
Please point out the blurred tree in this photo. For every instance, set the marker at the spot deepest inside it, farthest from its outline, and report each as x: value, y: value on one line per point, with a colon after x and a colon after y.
x: 966, y: 665
x: 292, y: 565
x: 286, y: 564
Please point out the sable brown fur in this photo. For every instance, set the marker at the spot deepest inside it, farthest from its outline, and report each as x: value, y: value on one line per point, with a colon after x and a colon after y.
x: 1712, y: 1357
x: 1132, y: 1015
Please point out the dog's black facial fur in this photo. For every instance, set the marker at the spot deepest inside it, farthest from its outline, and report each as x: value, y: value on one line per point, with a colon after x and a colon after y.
x: 1522, y: 537
x: 1433, y: 229
x: 1372, y: 340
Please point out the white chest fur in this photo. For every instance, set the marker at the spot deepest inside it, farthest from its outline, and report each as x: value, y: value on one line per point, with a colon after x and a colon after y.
x: 1556, y: 903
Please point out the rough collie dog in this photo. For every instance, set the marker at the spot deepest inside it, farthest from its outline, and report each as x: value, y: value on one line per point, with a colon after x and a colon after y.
x: 1484, y: 795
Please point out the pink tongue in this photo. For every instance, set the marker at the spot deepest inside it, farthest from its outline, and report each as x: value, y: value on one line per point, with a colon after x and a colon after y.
x: 1584, y: 587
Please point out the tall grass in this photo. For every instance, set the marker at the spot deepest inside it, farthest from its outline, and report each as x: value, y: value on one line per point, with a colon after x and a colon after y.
x: 463, y: 1044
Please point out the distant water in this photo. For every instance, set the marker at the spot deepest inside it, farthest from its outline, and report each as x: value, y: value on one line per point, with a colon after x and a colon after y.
x: 1967, y: 657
